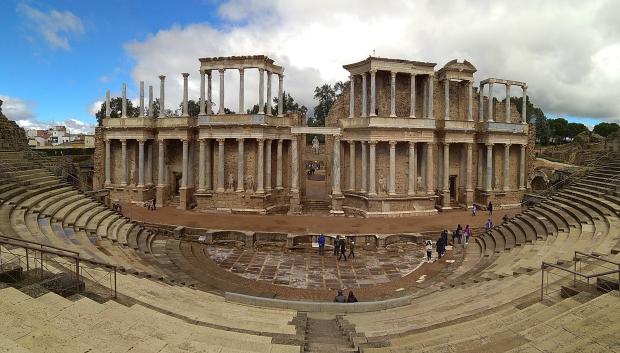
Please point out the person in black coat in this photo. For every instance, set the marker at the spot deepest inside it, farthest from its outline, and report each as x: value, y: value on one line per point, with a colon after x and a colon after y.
x: 343, y: 249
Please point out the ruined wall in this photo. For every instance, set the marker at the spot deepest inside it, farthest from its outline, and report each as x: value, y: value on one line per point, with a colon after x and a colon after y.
x: 12, y: 137
x: 99, y: 159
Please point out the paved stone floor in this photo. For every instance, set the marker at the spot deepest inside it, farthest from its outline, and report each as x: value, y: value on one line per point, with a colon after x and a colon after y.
x: 304, y: 268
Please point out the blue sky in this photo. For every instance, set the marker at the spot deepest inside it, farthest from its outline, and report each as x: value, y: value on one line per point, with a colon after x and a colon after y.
x: 59, y: 57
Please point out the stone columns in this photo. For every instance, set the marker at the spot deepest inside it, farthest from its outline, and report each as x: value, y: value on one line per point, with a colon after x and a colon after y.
x: 470, y: 101
x: 364, y: 166
x: 507, y: 167
x: 412, y: 99
x: 268, y: 165
x: 124, y: 102
x: 261, y: 91
x: 372, y: 184
x: 190, y: 164
x: 241, y: 90
x: 107, y: 104
x: 489, y: 183
x: 481, y: 104
x: 209, y: 96
x: 280, y: 95
x: 160, y: 163
x: 352, y: 165
x: 201, y: 165
x: 279, y: 165
x: 393, y: 94
x: 446, y: 174
x: 430, y: 97
x: 123, y: 162
x: 162, y: 96
x: 491, y: 118
x: 336, y: 169
x: 392, y: 186
x: 107, y: 162
x: 221, y: 104
x: 208, y: 166
x: 202, y: 96
x: 412, y: 175
x: 469, y: 167
x: 352, y: 97
x: 364, y: 93
x: 260, y: 160
x: 150, y: 110
x: 220, y: 166
x: 446, y: 99
x: 141, y: 111
x: 294, y: 165
x: 430, y: 187
x: 149, y: 164
x: 507, y: 102
x: 240, y: 164
x: 373, y: 96
x: 140, y: 163
x: 522, y: 168
x: 480, y: 168
x: 268, y: 102
x: 185, y: 94
x: 425, y: 99
x: 524, y: 105
x: 185, y: 162
x: 423, y: 164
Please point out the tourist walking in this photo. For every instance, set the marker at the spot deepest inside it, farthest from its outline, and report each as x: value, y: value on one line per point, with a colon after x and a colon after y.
x: 343, y: 249
x: 490, y: 208
x: 336, y: 245
x: 489, y: 225
x: 444, y: 237
x: 352, y: 249
x: 474, y: 209
x: 467, y: 233
x: 458, y: 233
x: 340, y: 297
x: 429, y: 250
x: 351, y: 298
x: 440, y: 248
x: 321, y: 244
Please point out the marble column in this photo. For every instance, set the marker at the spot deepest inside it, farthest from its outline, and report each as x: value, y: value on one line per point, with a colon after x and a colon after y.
x: 481, y: 104
x: 336, y: 168
x: 507, y: 103
x: 431, y: 114
x: 201, y: 165
x: 203, y: 104
x: 439, y: 176
x: 123, y: 162
x: 393, y: 94
x: 220, y: 166
x: 423, y: 165
x: 124, y: 102
x: 107, y: 162
x: 268, y: 165
x: 241, y: 91
x: 364, y: 167
x: 373, y: 96
x: 294, y: 165
x: 148, y: 179
x: 261, y: 91
x: 185, y: 94
x: 372, y: 184
x: 107, y: 104
x: 162, y: 96
x: 507, y: 167
x: 141, y: 111
x: 412, y: 98
x: 209, y: 94
x: 279, y: 165
x: 280, y: 95
x: 185, y: 162
x: 221, y: 104
x: 522, y: 167
x: 425, y: 98
x: 470, y: 101
x: 446, y: 99
x: 260, y: 170
x: 392, y: 181
x: 430, y: 186
x: 364, y: 94
x: 190, y: 164
x: 150, y: 110
x: 268, y: 102
x: 160, y: 163
x: 352, y: 96
x: 241, y: 164
x: 352, y: 165
x: 140, y: 163
x: 491, y: 118
x: 469, y: 167
x: 208, y: 165
x: 446, y: 169
x: 412, y: 173
x: 480, y: 166
x: 524, y: 105
x: 489, y: 183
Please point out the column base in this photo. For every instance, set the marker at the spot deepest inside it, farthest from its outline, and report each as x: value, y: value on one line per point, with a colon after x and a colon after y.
x: 279, y: 188
x: 294, y: 204
x: 161, y: 195
x: 220, y: 190
x: 445, y: 199
x: 185, y: 198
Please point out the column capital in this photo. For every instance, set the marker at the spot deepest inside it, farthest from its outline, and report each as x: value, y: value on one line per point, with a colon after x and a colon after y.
x: 185, y: 74
x: 260, y: 140
x: 162, y: 77
x: 524, y: 87
x: 507, y: 144
x: 413, y: 74
x: 392, y: 143
x: 124, y: 141
x: 489, y: 144
x: 372, y: 71
x: 208, y: 72
x: 280, y: 77
x: 372, y: 142
x: 446, y: 143
x: 412, y: 144
x: 280, y: 141
x: 203, y: 139
x: 141, y: 141
x: 241, y: 71
x: 523, y: 145
x: 202, y: 72
x: 221, y: 140
x: 184, y: 140
x: 221, y: 71
x: 240, y: 139
x: 393, y: 73
x: 261, y: 70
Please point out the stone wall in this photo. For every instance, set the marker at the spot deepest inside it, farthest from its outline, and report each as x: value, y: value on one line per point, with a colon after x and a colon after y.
x: 99, y: 160
x: 12, y: 137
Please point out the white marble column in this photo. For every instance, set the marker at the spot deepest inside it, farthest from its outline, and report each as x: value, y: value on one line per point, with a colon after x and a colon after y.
x: 506, y: 167
x: 268, y: 165
x: 107, y: 162
x: 140, y: 163
x: 123, y: 162
x: 524, y: 105
x: 190, y: 164
x: 220, y: 166
x: 185, y: 162
x: 185, y: 94
x: 148, y: 179
x: 412, y: 173
x: 260, y: 160
x: 279, y: 165
x: 412, y: 99
x: 522, y: 168
x: 425, y: 99
x: 393, y: 94
x: 203, y: 104
x: 280, y: 95
x: 364, y: 94
x: 336, y: 167
x: 201, y: 166
x: 294, y: 164
x: 491, y: 118
x: 480, y: 167
x: 423, y: 165
x: 446, y: 168
x: 107, y: 104
x: 373, y: 96
x: 439, y: 178
x: 161, y: 144
x: 430, y: 187
x: 372, y: 184
x: 141, y: 111
x: 150, y: 110
x: 209, y: 94
x: 352, y: 96
x: 469, y: 167
x: 261, y: 91
x: 392, y: 181
x: 507, y: 103
x: 208, y: 165
x: 481, y: 104
x: 241, y: 164
x: 470, y: 101
x: 268, y: 102
x: 124, y: 102
x: 162, y: 96
x: 446, y: 99
x: 241, y: 91
x: 431, y: 114
x: 364, y: 167
x: 221, y: 104
x: 489, y: 184
x: 352, y: 165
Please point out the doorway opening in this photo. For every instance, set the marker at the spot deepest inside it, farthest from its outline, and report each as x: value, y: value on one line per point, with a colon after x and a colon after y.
x: 452, y: 187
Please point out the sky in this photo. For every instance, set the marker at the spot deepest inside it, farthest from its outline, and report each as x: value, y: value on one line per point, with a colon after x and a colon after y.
x: 60, y: 56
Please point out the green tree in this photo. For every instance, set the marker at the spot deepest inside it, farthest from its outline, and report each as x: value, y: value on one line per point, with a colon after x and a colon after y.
x: 574, y: 129
x: 116, y: 106
x: 536, y: 116
x: 559, y: 129
x: 289, y: 105
x: 606, y: 129
x: 193, y: 108
x: 326, y: 95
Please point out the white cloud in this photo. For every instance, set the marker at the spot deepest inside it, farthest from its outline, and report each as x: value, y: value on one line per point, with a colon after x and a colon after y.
x: 56, y: 27
x: 17, y: 109
x: 567, y: 51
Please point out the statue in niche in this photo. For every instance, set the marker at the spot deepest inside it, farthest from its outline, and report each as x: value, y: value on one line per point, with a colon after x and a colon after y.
x: 382, y: 185
x: 315, y: 145
x: 231, y: 182
x: 249, y: 183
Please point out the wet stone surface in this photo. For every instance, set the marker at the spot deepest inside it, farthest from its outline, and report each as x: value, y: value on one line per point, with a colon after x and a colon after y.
x: 304, y: 268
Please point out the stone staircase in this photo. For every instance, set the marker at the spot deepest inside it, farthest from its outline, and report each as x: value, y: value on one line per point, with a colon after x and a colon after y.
x: 316, y: 206
x: 323, y: 335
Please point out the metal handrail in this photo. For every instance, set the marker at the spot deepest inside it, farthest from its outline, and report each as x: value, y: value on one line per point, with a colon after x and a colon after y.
x: 575, y: 273
x: 39, y: 244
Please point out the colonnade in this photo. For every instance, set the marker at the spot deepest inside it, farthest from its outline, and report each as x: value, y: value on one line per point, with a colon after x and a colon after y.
x: 144, y: 163
x: 508, y: 84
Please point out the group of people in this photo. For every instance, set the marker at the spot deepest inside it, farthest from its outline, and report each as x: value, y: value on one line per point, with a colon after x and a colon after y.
x: 150, y: 205
x: 117, y: 207
x: 340, y: 247
x: 474, y: 209
x: 442, y: 242
x: 340, y: 298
